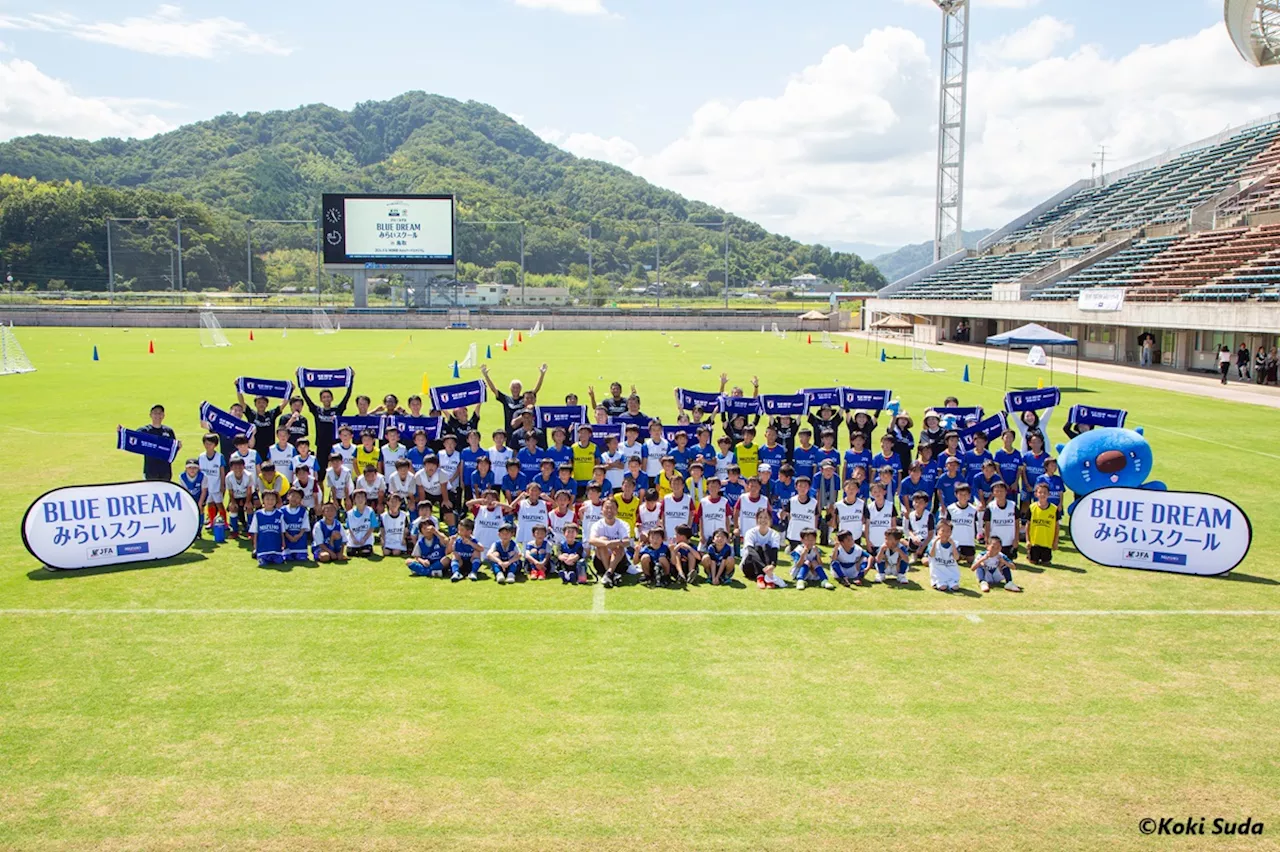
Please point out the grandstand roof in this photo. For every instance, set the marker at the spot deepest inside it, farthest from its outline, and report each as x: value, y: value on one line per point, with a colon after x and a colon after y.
x: 1254, y: 26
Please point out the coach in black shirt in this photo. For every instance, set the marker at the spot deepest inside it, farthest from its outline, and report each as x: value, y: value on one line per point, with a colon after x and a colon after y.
x: 513, y: 404
x: 158, y: 469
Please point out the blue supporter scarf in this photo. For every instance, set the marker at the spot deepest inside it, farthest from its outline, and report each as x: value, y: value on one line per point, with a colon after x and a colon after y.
x: 224, y: 424
x: 852, y: 399
x: 273, y: 388
x: 409, y: 425
x: 1088, y: 415
x: 1016, y: 402
x: 151, y: 446
x: 689, y: 400
x: 312, y: 378
x: 548, y: 417
x: 992, y: 427
x: 358, y: 424
x: 462, y: 395
x: 819, y: 397
x: 746, y: 406
x: 955, y: 417
x: 669, y: 432
x: 600, y: 432
x: 777, y: 404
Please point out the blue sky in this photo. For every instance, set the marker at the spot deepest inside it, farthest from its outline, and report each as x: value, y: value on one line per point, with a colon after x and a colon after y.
x: 815, y: 118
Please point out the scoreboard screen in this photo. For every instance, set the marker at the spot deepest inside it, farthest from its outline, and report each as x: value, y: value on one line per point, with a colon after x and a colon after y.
x: 392, y: 229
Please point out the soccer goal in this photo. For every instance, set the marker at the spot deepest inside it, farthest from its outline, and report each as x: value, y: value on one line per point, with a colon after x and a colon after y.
x: 511, y: 338
x: 211, y: 333
x: 322, y: 323
x: 471, y: 361
x: 12, y: 358
x: 537, y: 329
x: 828, y: 342
x: 778, y: 333
x: 920, y: 362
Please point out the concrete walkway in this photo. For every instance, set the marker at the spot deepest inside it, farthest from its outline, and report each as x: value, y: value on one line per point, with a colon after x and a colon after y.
x: 1179, y: 381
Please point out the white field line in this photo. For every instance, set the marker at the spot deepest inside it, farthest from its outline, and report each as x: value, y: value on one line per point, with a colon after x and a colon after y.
x: 1205, y: 440
x: 597, y: 600
x: 647, y: 613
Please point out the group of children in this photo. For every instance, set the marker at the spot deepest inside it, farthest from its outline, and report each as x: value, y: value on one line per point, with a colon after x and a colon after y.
x: 670, y: 508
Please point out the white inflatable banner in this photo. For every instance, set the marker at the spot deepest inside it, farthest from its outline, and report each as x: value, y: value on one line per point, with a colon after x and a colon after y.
x: 88, y: 526
x: 1182, y: 532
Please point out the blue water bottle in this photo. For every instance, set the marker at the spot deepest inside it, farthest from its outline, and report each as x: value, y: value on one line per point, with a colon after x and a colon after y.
x: 219, y: 531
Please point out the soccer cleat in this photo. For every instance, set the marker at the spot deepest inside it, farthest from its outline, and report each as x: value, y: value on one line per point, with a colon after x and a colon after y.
x: 902, y: 579
x: 473, y: 576
x: 511, y: 577
x: 606, y: 581
x: 857, y: 581
x: 826, y: 584
x: 500, y: 577
x: 760, y: 583
x: 1012, y: 587
x: 800, y: 584
x: 455, y: 577
x: 879, y: 576
x: 984, y: 586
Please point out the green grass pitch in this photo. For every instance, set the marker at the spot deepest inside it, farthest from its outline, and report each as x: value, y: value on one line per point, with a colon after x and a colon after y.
x: 216, y: 705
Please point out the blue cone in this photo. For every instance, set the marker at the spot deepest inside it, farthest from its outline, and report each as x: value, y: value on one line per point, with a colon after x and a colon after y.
x: 488, y: 353
x: 883, y: 357
x: 966, y: 373
x: 455, y: 370
x: 95, y: 353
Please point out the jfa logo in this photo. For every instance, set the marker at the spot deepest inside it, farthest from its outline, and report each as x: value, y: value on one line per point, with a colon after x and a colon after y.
x: 133, y: 441
x: 1137, y: 556
x: 1084, y: 411
x: 100, y: 552
x: 311, y: 377
x: 444, y: 397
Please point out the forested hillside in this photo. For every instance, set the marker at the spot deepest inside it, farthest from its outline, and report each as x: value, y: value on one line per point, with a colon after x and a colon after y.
x: 220, y: 172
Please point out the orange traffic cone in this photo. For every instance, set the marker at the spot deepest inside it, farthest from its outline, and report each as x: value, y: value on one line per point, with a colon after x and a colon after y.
x: 810, y: 341
x: 520, y: 337
x: 151, y: 347
x: 251, y: 334
x: 846, y: 347
x: 504, y: 345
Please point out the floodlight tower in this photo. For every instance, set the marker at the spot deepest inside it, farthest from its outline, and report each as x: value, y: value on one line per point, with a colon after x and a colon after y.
x: 1254, y: 26
x: 948, y: 236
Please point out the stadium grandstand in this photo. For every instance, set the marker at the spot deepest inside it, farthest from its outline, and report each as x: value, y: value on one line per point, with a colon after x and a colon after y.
x: 1187, y: 245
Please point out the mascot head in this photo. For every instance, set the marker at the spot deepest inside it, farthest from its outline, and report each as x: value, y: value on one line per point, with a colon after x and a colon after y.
x: 1101, y: 458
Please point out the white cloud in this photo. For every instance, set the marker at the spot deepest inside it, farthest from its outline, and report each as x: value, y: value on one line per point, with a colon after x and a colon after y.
x: 166, y: 32
x: 1037, y: 40
x: 846, y: 149
x: 569, y: 7
x: 32, y: 102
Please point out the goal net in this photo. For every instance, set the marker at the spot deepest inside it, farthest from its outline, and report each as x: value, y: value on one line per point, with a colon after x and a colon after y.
x: 322, y: 323
x: 471, y: 361
x: 12, y: 358
x: 537, y: 329
x: 211, y: 333
x: 828, y: 342
x: 921, y: 363
x: 778, y: 333
x: 511, y: 338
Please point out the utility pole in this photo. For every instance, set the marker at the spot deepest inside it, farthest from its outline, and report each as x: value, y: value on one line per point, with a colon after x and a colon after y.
x: 1102, y: 164
x: 111, y: 269
x: 180, y: 277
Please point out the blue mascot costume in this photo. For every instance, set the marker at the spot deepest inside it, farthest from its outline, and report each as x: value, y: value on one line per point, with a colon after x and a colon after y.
x: 1106, y: 458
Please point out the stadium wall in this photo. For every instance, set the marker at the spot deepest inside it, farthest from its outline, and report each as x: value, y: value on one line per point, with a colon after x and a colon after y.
x: 561, y: 319
x: 1186, y: 332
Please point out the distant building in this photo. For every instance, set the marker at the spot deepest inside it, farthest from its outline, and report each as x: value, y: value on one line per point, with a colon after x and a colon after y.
x: 482, y: 295
x: 538, y: 296
x: 808, y: 281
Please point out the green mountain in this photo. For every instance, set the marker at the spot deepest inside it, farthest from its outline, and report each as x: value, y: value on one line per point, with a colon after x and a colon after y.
x: 275, y: 166
x: 912, y: 258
